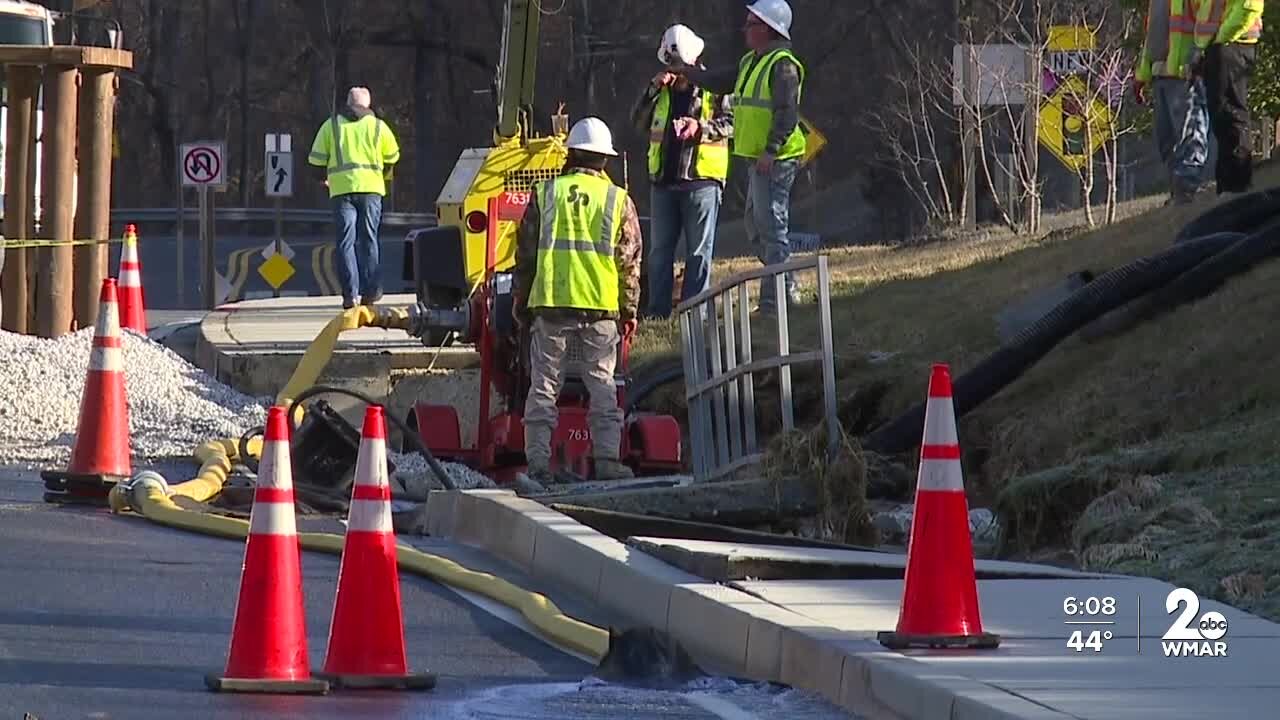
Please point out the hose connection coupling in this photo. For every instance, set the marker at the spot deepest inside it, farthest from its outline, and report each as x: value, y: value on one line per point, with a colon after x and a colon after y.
x: 147, y: 478
x: 423, y: 319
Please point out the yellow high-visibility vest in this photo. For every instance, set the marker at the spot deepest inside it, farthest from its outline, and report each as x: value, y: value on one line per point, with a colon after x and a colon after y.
x: 580, y: 225
x: 711, y: 159
x: 753, y: 109
x: 357, y: 161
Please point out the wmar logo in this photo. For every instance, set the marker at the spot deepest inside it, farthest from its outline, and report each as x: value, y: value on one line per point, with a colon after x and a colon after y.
x: 1187, y: 637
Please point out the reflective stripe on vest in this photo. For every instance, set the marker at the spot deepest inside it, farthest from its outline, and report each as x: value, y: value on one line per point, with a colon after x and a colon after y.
x: 354, y: 170
x: 753, y: 107
x: 581, y: 223
x: 1182, y: 30
x: 711, y: 159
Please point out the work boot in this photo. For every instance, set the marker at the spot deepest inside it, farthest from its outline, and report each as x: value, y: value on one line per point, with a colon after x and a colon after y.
x: 371, y: 298
x: 540, y: 474
x: 612, y: 470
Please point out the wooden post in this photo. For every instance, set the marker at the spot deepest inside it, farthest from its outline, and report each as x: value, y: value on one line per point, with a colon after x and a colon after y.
x: 57, y: 171
x: 93, y: 214
x: 24, y: 84
x: 970, y: 108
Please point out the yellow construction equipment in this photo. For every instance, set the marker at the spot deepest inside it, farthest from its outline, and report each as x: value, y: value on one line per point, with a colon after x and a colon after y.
x: 448, y: 261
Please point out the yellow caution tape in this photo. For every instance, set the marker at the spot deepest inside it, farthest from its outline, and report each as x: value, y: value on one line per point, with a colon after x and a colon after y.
x: 6, y: 243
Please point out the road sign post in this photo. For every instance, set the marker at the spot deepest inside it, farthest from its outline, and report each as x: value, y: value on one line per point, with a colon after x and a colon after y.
x: 204, y: 168
x: 278, y: 177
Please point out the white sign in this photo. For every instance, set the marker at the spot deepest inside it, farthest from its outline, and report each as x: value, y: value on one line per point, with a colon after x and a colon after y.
x: 270, y: 250
x: 278, y: 166
x: 1001, y: 72
x: 204, y: 164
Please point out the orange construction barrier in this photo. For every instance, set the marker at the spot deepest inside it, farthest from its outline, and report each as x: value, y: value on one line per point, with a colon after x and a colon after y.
x: 133, y: 312
x: 269, y: 637
x: 366, y: 637
x: 100, y: 453
x: 940, y: 595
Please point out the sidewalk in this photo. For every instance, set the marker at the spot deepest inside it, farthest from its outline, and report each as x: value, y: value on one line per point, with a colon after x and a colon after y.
x: 820, y: 634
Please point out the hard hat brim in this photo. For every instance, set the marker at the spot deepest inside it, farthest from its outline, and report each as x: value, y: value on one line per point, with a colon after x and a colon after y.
x: 770, y: 22
x: 593, y: 148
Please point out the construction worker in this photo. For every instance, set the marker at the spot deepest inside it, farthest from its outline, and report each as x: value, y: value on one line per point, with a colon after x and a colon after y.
x: 689, y: 128
x: 1181, y: 114
x: 766, y: 131
x: 1226, y: 45
x: 357, y: 168
x: 577, y: 283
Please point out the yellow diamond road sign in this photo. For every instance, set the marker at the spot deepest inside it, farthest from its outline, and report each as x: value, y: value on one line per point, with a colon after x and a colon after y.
x: 276, y: 270
x: 1074, y: 123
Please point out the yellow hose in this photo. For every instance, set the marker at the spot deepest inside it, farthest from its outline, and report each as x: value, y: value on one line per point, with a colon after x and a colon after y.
x: 152, y: 499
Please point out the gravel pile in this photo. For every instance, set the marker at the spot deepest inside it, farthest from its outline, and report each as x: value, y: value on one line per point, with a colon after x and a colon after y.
x: 173, y: 406
x: 414, y: 472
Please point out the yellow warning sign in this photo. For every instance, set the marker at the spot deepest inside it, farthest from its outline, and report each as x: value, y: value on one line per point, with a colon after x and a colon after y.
x: 814, y: 140
x: 1074, y: 123
x: 276, y: 270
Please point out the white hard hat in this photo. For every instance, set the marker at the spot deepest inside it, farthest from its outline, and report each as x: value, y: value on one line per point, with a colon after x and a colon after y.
x: 680, y: 44
x: 775, y: 13
x: 591, y: 135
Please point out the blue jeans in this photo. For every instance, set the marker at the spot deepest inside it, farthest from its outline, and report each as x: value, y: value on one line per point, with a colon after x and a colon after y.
x: 1182, y: 128
x: 695, y: 213
x: 768, y: 216
x: 358, y: 215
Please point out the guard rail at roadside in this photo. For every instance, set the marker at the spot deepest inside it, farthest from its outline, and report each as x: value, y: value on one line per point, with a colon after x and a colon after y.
x: 266, y: 214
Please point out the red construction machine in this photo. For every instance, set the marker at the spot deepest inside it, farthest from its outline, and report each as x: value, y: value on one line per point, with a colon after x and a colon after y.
x: 650, y: 443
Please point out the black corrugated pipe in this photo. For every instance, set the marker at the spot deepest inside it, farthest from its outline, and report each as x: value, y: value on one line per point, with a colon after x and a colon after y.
x: 1106, y: 293
x: 1198, y: 282
x: 1243, y: 214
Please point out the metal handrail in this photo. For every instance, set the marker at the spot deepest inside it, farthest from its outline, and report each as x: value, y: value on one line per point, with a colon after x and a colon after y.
x: 719, y: 368
x: 242, y: 214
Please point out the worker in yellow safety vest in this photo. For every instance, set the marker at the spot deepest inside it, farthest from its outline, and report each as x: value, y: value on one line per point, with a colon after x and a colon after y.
x: 1226, y: 46
x: 1181, y: 116
x: 357, y: 164
x: 766, y: 131
x: 577, y: 290
x: 689, y: 127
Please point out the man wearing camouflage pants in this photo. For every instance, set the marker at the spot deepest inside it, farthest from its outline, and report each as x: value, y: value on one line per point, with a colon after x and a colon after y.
x: 577, y: 280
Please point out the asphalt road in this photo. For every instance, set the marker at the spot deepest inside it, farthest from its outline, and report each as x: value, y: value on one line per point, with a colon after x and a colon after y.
x: 109, y: 617
x: 237, y: 258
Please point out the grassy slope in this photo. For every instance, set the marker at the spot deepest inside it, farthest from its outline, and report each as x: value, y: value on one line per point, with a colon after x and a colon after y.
x: 1193, y: 390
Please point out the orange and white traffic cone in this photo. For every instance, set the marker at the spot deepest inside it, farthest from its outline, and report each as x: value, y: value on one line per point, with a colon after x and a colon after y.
x: 133, y: 312
x: 269, y: 636
x: 940, y: 594
x: 100, y: 453
x: 366, y: 637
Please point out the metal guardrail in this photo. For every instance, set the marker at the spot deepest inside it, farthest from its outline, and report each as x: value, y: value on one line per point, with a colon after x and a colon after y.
x: 241, y: 214
x: 719, y: 368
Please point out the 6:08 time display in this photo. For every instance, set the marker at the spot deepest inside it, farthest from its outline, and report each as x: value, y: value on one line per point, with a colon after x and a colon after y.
x: 1089, y: 606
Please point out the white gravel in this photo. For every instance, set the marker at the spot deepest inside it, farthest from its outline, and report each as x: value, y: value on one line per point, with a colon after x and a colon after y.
x: 416, y: 475
x: 173, y: 406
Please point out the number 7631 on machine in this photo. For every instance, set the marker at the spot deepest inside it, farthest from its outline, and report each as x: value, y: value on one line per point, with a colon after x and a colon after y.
x: 1098, y: 621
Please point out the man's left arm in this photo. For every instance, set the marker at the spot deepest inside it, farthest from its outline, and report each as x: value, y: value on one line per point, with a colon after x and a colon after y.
x: 526, y: 266
x: 627, y: 256
x: 1240, y: 18
x: 720, y: 126
x: 785, y: 82
x: 389, y: 148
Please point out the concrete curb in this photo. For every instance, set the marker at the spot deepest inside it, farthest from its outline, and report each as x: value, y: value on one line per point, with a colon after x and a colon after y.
x: 727, y: 630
